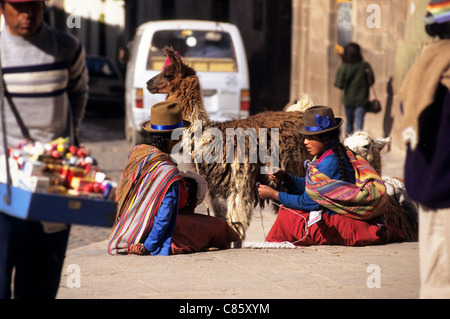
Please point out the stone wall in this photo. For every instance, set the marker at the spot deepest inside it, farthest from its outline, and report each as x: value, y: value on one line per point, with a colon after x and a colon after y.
x: 391, y: 34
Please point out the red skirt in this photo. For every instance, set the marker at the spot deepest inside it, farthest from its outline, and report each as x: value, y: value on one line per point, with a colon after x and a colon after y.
x: 196, y: 232
x: 330, y: 230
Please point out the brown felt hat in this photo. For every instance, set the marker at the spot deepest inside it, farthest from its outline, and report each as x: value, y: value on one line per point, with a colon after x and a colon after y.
x: 164, y: 118
x: 318, y: 120
x: 15, y: 1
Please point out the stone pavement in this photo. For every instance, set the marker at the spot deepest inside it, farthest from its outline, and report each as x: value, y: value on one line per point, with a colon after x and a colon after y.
x: 386, y: 271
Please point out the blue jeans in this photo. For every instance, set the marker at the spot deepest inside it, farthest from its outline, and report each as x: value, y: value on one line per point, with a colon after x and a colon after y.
x: 36, y: 256
x: 355, y: 116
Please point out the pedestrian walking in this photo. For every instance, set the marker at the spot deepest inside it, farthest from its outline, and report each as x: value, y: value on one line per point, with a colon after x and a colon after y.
x: 355, y: 77
x: 44, y: 94
x: 425, y: 100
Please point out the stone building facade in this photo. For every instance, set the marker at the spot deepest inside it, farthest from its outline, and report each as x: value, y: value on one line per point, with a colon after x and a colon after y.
x: 290, y: 44
x: 391, y: 34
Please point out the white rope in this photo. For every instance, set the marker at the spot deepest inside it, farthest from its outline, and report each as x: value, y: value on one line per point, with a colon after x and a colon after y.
x: 267, y: 244
x: 285, y: 244
x: 262, y: 222
x: 306, y: 228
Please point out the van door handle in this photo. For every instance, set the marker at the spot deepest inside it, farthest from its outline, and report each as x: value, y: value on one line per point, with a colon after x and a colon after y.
x: 209, y: 92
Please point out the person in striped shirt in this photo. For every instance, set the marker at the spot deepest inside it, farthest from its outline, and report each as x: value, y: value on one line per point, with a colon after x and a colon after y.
x: 46, y: 79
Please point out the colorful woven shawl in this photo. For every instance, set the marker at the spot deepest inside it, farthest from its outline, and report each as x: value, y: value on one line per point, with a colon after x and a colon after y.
x: 365, y: 200
x: 146, y: 178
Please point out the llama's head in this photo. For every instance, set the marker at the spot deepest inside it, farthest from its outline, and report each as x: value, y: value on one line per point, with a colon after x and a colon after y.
x: 172, y: 75
x: 363, y: 144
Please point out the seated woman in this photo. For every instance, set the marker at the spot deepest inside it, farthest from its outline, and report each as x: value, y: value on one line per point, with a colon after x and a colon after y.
x: 149, y: 192
x: 330, y: 205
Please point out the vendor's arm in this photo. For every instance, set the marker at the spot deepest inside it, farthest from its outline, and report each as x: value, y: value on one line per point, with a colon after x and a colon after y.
x: 159, y: 240
x: 78, y: 87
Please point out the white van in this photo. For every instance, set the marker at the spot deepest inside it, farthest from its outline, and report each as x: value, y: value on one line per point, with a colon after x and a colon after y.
x: 214, y: 49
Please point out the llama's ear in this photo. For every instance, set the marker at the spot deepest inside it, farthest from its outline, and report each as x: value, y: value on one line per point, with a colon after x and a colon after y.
x: 380, y: 143
x: 167, y: 50
x: 172, y: 57
x: 175, y: 58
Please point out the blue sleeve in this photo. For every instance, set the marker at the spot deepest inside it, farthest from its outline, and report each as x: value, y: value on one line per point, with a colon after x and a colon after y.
x: 159, y: 240
x: 301, y: 202
x: 300, y: 199
x: 295, y: 185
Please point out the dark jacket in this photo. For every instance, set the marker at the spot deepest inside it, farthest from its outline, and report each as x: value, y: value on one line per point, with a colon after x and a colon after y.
x: 355, y: 79
x: 425, y: 98
x: 427, y: 170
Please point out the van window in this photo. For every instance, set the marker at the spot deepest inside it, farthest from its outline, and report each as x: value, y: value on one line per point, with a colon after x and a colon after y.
x: 205, y: 51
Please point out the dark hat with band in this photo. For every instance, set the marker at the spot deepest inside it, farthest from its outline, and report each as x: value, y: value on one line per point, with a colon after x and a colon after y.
x: 164, y: 118
x: 318, y: 120
x: 438, y: 11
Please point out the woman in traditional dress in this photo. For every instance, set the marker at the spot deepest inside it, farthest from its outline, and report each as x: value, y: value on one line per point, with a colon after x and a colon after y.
x: 148, y: 195
x: 330, y: 205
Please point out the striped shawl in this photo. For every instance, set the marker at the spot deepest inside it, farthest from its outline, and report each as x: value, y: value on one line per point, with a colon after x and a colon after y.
x: 365, y: 200
x: 146, y: 178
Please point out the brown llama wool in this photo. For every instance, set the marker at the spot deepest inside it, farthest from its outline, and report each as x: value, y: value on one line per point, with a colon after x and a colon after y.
x: 232, y: 185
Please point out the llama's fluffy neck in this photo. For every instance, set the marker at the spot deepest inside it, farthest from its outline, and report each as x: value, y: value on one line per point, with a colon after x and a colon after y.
x: 189, y: 95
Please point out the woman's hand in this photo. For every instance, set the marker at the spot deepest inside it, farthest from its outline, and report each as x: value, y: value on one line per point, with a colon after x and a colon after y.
x: 137, y: 249
x: 266, y: 192
x: 279, y: 175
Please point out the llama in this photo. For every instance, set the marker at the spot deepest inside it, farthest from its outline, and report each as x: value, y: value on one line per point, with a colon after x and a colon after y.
x: 370, y: 149
x: 232, y: 185
x: 402, y: 211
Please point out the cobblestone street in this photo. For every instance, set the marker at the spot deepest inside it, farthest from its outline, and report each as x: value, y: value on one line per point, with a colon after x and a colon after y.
x: 106, y: 139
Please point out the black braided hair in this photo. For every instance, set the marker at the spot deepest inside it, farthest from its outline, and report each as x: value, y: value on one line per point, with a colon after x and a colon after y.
x: 158, y: 140
x: 441, y: 30
x: 340, y: 151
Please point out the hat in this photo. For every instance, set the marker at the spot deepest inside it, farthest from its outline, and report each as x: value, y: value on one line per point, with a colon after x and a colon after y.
x: 202, y: 186
x: 164, y: 118
x: 318, y: 120
x: 24, y: 1
x: 438, y: 11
